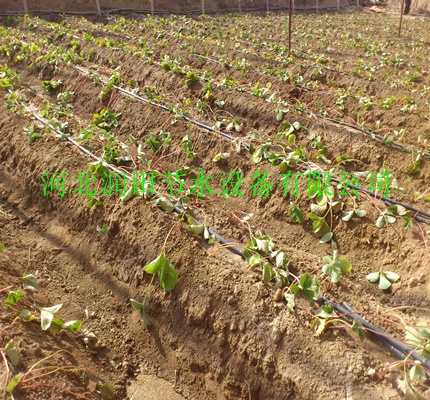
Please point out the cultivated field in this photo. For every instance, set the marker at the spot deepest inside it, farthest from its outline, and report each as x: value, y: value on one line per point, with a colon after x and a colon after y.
x: 192, y: 193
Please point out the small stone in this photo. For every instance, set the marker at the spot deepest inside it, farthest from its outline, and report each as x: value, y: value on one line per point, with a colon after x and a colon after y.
x: 278, y: 295
x: 371, y: 372
x: 230, y: 300
x: 276, y: 334
x: 422, y: 278
x: 413, y: 282
x: 56, y: 250
x: 234, y: 325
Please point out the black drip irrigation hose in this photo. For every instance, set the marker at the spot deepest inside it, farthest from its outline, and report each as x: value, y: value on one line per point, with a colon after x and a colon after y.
x: 387, y: 200
x: 397, y: 348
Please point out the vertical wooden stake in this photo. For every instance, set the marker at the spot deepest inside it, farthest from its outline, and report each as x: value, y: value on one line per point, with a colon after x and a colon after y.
x: 25, y: 6
x: 152, y: 7
x: 294, y: 6
x: 240, y: 7
x: 358, y: 3
x: 318, y: 5
x: 203, y: 6
x: 267, y: 4
x: 99, y: 11
x: 289, y: 26
x: 338, y: 5
x: 401, y: 16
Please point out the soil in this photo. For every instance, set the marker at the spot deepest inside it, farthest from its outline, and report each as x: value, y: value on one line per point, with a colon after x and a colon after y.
x: 221, y: 333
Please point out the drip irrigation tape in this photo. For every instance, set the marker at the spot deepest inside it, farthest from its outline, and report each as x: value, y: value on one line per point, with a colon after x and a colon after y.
x: 398, y: 348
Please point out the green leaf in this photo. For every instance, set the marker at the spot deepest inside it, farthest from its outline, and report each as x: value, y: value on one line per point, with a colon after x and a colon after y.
x: 221, y: 156
x: 347, y: 216
x: 197, y: 229
x: 357, y: 327
x: 46, y: 319
x: 156, y: 265
x: 296, y: 215
x: 327, y: 237
x: 168, y: 277
x: 140, y: 307
x: 289, y: 297
x: 30, y: 282
x: 267, y: 273
x: 391, y: 276
x: 56, y: 324
x: 106, y: 391
x: 136, y: 305
x: 14, y: 297
x: 26, y: 315
x: 360, y: 213
x: 391, y: 219
x: 417, y: 373
x: 380, y: 222
x: 164, y: 203
x: 319, y: 209
x: 384, y: 283
x: 318, y: 326
x: 144, y: 318
x: 73, y: 326
x: 373, y: 277
x: 1, y: 247
x: 12, y: 353
x: 255, y: 260
x: 13, y: 383
x: 345, y: 265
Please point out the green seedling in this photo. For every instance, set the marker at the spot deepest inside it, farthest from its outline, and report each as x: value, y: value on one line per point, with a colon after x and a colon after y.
x: 51, y: 85
x: 187, y: 145
x: 106, y: 119
x: 383, y: 278
x: 93, y: 201
x: 191, y: 79
x: 288, y: 131
x: 32, y: 132
x: 200, y: 230
x: 389, y: 216
x: 416, y: 165
x: 326, y: 316
x: 296, y: 214
x: 321, y: 228
x: 348, y: 215
x: 260, y: 252
x: 335, y: 266
x: 103, y: 229
x: 114, y: 80
x: 221, y: 156
x: 11, y: 353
